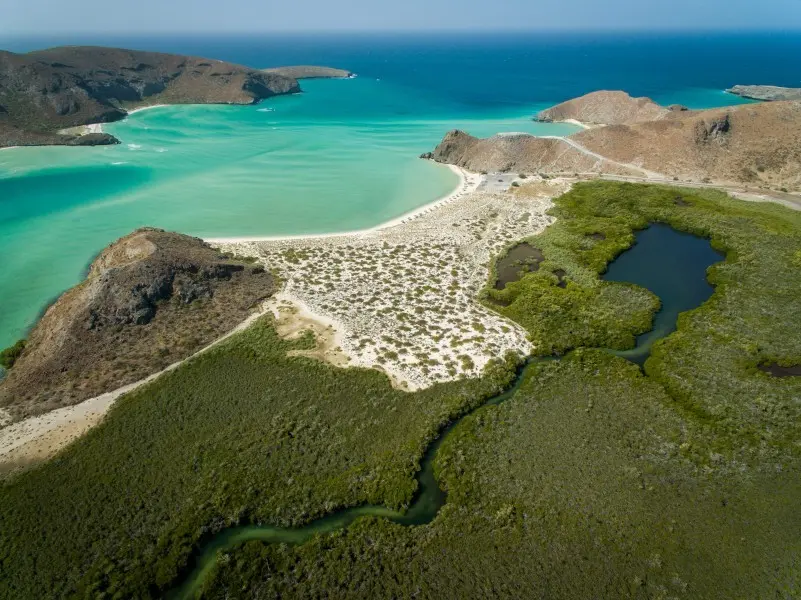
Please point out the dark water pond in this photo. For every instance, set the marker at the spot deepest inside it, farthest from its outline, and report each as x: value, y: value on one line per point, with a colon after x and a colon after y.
x: 521, y: 259
x: 672, y: 265
x: 779, y: 371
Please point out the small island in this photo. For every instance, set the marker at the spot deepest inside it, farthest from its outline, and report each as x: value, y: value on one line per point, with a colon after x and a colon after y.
x: 311, y: 72
x: 766, y: 93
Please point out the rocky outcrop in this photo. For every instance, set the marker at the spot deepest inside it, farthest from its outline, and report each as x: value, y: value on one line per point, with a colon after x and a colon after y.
x: 311, y: 72
x: 754, y: 144
x: 605, y: 108
x: 49, y: 90
x: 150, y: 299
x: 518, y: 153
x: 767, y: 93
x: 715, y: 130
x: 13, y: 136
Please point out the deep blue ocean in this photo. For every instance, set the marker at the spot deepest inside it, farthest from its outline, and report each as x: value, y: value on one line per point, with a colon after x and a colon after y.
x: 505, y: 69
x: 339, y: 157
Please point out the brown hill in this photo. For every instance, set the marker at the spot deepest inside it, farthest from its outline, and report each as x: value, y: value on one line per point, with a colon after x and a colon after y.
x: 149, y: 300
x: 757, y: 144
x: 753, y: 143
x: 518, y: 153
x: 48, y: 90
x: 605, y: 108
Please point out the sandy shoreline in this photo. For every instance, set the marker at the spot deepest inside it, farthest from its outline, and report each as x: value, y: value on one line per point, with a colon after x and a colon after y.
x: 459, y: 232
x: 97, y: 127
x: 468, y: 183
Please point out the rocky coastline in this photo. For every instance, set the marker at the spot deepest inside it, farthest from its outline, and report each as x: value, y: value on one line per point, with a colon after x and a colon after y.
x: 46, y: 91
x: 766, y: 93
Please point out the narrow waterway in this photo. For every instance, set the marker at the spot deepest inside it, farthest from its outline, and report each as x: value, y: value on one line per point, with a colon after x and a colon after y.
x: 669, y: 263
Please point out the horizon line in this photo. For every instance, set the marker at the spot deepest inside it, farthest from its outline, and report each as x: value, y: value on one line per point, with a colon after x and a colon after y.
x: 432, y: 31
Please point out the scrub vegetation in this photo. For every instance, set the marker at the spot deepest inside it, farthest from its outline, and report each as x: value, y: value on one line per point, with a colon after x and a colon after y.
x: 577, y: 487
x: 10, y: 355
x: 710, y: 366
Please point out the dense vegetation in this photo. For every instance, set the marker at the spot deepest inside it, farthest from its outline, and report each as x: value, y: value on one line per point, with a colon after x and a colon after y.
x: 594, y: 480
x: 243, y: 433
x: 9, y: 355
x: 578, y: 487
x: 709, y: 366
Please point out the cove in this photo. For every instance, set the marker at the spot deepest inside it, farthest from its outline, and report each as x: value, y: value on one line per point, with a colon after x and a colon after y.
x: 672, y: 265
x: 669, y: 263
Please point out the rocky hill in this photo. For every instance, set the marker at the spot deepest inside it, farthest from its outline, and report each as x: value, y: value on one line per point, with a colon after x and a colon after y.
x: 517, y: 153
x: 605, y: 108
x: 768, y: 93
x: 756, y: 144
x: 310, y: 72
x: 45, y: 91
x: 149, y: 300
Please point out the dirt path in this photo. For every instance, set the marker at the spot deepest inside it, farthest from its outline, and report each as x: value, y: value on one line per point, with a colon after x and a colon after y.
x: 574, y: 144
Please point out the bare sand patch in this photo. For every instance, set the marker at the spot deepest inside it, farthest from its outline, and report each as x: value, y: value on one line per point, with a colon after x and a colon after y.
x: 403, y: 298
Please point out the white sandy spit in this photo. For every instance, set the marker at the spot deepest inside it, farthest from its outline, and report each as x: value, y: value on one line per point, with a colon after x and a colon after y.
x: 403, y: 296
x: 468, y: 183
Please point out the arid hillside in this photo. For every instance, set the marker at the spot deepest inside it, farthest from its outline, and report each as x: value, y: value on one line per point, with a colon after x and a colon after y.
x: 520, y: 153
x: 757, y: 144
x: 149, y: 300
x: 754, y: 144
x: 48, y: 90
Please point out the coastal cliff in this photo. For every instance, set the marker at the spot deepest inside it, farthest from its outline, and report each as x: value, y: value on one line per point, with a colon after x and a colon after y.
x: 310, y: 72
x: 149, y: 300
x: 755, y: 144
x: 767, y: 93
x: 46, y: 91
x: 605, y: 108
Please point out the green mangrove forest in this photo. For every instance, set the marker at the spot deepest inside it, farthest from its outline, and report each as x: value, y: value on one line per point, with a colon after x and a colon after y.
x: 248, y: 473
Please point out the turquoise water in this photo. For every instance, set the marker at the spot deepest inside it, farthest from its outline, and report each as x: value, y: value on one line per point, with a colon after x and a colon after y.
x: 343, y: 155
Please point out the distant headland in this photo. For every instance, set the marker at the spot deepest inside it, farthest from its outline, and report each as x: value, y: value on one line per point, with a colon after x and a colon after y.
x: 767, y: 93
x: 43, y: 94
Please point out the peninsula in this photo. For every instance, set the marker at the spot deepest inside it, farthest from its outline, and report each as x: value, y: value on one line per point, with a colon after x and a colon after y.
x: 44, y: 92
x: 751, y: 144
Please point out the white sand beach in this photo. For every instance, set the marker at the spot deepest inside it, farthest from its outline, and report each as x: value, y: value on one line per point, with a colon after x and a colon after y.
x: 403, y: 296
x: 468, y: 182
x: 400, y: 297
